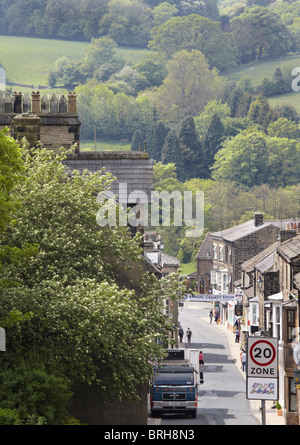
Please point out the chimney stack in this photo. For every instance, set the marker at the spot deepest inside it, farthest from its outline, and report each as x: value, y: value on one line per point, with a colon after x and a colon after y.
x: 258, y: 219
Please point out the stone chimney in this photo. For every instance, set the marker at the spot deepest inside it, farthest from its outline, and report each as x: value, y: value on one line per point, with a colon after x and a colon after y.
x: 72, y: 103
x: 258, y: 219
x: 28, y: 126
x: 35, y: 102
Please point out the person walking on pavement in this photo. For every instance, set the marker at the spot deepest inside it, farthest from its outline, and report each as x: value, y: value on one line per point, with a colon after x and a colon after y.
x: 189, y: 335
x: 180, y: 332
x: 237, y: 335
x: 211, y: 316
x: 201, y: 359
x: 243, y: 358
x: 217, y: 314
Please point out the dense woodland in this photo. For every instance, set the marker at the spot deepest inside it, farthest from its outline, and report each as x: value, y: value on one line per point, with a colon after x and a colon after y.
x: 178, y: 99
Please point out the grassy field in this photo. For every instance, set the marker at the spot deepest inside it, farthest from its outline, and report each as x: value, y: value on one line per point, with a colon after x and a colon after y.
x: 290, y: 98
x: 29, y: 60
x: 104, y: 145
x: 188, y: 267
x: 256, y: 71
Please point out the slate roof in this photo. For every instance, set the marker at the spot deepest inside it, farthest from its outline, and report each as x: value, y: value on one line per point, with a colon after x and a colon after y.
x: 266, y: 264
x: 290, y: 249
x: 240, y: 231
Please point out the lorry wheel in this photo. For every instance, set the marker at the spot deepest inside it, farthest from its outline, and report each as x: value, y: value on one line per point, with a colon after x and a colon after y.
x: 194, y: 414
x: 155, y: 414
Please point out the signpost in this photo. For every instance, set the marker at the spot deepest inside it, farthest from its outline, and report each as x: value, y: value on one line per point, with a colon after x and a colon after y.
x: 262, y: 370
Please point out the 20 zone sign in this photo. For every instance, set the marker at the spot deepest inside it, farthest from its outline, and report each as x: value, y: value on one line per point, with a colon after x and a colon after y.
x: 262, y: 357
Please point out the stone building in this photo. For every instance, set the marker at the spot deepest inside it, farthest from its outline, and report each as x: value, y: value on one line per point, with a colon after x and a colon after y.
x: 223, y: 252
x: 271, y: 288
x: 51, y: 120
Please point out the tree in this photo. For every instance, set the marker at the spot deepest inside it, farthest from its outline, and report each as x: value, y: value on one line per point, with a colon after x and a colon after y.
x: 157, y: 139
x: 11, y: 167
x: 191, y: 149
x: 137, y: 142
x: 100, y: 51
x: 154, y: 71
x: 243, y: 159
x: 253, y: 158
x: 190, y: 84
x: 171, y: 153
x: 74, y: 286
x: 283, y: 128
x: 260, y: 111
x: 259, y: 33
x: 194, y: 32
x: 212, y: 142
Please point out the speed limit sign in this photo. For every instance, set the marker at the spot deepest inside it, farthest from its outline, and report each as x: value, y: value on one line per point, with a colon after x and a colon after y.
x: 262, y: 357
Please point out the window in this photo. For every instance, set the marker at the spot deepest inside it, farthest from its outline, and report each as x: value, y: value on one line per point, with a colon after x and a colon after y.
x: 290, y: 326
x: 225, y: 283
x: 215, y: 252
x: 213, y: 276
x: 292, y: 395
x: 221, y: 253
x: 219, y: 279
x: 254, y: 311
x: 277, y: 322
x: 229, y: 255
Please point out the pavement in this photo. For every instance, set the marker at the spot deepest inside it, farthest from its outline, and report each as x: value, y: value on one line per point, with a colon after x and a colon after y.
x: 255, y: 405
x: 235, y: 348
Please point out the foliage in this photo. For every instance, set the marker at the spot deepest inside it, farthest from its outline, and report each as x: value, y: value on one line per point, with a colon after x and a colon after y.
x: 70, y: 297
x: 9, y: 417
x: 35, y: 393
x: 191, y: 148
x: 171, y: 153
x: 260, y: 33
x: 11, y: 167
x: 194, y: 32
x: 112, y: 114
x: 252, y: 158
x: 137, y: 142
x: 189, y: 85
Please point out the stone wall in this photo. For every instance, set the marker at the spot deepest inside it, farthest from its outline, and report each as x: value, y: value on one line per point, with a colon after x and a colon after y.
x: 252, y: 244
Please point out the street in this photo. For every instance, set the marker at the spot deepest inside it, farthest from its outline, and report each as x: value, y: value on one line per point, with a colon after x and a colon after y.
x: 222, y: 396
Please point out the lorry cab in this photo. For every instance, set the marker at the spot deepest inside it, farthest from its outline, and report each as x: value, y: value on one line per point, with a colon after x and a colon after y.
x: 174, y: 386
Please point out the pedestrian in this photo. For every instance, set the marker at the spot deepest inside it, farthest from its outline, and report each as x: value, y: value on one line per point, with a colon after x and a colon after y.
x: 217, y: 316
x: 201, y: 359
x: 189, y: 335
x: 180, y: 332
x: 244, y: 358
x: 211, y: 316
x: 237, y: 335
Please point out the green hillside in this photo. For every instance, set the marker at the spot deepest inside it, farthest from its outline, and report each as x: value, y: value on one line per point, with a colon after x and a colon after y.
x: 257, y: 70
x: 29, y: 60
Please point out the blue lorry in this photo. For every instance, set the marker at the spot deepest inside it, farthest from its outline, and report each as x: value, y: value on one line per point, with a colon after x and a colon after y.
x: 175, y: 383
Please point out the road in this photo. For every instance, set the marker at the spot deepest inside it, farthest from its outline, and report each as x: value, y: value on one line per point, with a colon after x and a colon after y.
x: 222, y: 397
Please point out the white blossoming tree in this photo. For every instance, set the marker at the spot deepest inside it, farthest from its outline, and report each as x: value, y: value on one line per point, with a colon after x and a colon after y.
x: 75, y: 317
